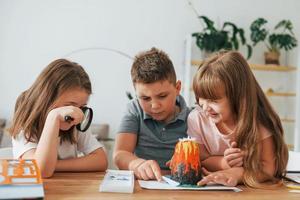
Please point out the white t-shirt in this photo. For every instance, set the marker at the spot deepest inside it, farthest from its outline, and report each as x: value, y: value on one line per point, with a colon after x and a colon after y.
x: 86, y: 143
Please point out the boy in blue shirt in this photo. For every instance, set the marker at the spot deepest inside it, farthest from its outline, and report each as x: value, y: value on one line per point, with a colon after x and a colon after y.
x: 154, y: 121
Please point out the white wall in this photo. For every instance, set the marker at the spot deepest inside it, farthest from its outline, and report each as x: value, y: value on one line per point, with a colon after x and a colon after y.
x: 34, y: 32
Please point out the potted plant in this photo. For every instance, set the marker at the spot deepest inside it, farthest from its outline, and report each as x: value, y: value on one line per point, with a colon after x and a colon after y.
x: 229, y: 37
x: 282, y: 38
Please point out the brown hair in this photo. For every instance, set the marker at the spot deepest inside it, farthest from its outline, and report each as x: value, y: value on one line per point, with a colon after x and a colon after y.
x: 151, y: 66
x: 34, y: 104
x: 229, y: 70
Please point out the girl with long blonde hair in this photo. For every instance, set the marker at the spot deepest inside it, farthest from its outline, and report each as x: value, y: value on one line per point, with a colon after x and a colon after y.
x: 40, y: 130
x: 239, y: 133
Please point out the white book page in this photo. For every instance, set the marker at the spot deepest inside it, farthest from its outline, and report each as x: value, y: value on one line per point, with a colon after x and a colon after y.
x: 294, y: 162
x: 163, y: 185
x: 117, y: 181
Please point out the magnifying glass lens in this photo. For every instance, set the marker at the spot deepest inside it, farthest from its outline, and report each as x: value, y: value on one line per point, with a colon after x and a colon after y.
x: 88, y: 117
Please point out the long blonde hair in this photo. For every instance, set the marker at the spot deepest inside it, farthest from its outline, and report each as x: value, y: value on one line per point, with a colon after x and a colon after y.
x: 251, y: 108
x: 34, y: 104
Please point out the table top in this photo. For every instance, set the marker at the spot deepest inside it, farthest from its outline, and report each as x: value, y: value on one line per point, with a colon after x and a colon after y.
x: 86, y: 186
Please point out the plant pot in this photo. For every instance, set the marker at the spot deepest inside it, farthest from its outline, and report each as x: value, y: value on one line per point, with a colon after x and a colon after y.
x: 272, y: 57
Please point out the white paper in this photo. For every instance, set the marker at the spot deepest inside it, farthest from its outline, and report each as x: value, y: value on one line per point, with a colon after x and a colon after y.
x: 293, y: 176
x: 170, y: 181
x: 163, y: 185
x: 294, y: 191
x: 294, y: 162
x: 117, y: 181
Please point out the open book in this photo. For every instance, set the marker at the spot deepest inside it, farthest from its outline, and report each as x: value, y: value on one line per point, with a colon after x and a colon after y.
x: 20, y: 179
x: 169, y: 184
x: 293, y: 167
x: 294, y: 162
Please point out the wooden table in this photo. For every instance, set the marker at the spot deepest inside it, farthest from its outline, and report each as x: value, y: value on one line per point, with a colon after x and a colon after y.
x: 86, y: 186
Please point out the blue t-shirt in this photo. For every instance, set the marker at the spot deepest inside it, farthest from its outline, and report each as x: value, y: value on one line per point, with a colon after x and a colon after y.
x: 155, y: 140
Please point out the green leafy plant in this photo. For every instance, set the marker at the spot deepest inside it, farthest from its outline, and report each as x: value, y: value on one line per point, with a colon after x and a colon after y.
x: 284, y: 38
x: 211, y: 39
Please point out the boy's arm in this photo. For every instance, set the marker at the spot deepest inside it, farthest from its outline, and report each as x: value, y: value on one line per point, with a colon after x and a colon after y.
x: 95, y: 161
x: 124, y: 158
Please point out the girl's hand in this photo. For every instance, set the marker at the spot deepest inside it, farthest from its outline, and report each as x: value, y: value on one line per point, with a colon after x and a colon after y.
x: 60, y: 113
x: 148, y: 170
x: 219, y: 177
x: 234, y: 156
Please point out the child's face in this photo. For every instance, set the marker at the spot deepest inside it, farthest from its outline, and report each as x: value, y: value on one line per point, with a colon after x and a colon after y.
x: 72, y: 97
x: 217, y: 110
x: 158, y: 99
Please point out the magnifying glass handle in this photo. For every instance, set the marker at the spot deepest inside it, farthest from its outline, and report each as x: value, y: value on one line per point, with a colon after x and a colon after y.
x: 68, y: 118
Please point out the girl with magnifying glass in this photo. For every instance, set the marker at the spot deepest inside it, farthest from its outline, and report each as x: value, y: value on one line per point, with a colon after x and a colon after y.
x: 51, y: 122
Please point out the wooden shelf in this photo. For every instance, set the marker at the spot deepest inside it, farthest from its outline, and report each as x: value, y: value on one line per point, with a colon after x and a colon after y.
x: 260, y: 67
x: 290, y: 147
x: 287, y: 120
x: 196, y: 63
x: 280, y: 94
x: 272, y: 68
x: 274, y: 94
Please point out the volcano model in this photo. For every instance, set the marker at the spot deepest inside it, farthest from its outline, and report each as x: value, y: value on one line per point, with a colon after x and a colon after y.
x: 185, y: 164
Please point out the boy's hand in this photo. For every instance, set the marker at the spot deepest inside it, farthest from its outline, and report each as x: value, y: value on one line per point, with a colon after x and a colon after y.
x: 234, y: 156
x: 148, y: 170
x: 219, y: 177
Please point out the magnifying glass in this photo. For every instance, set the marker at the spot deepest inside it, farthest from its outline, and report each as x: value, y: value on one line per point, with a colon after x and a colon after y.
x: 87, y: 120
